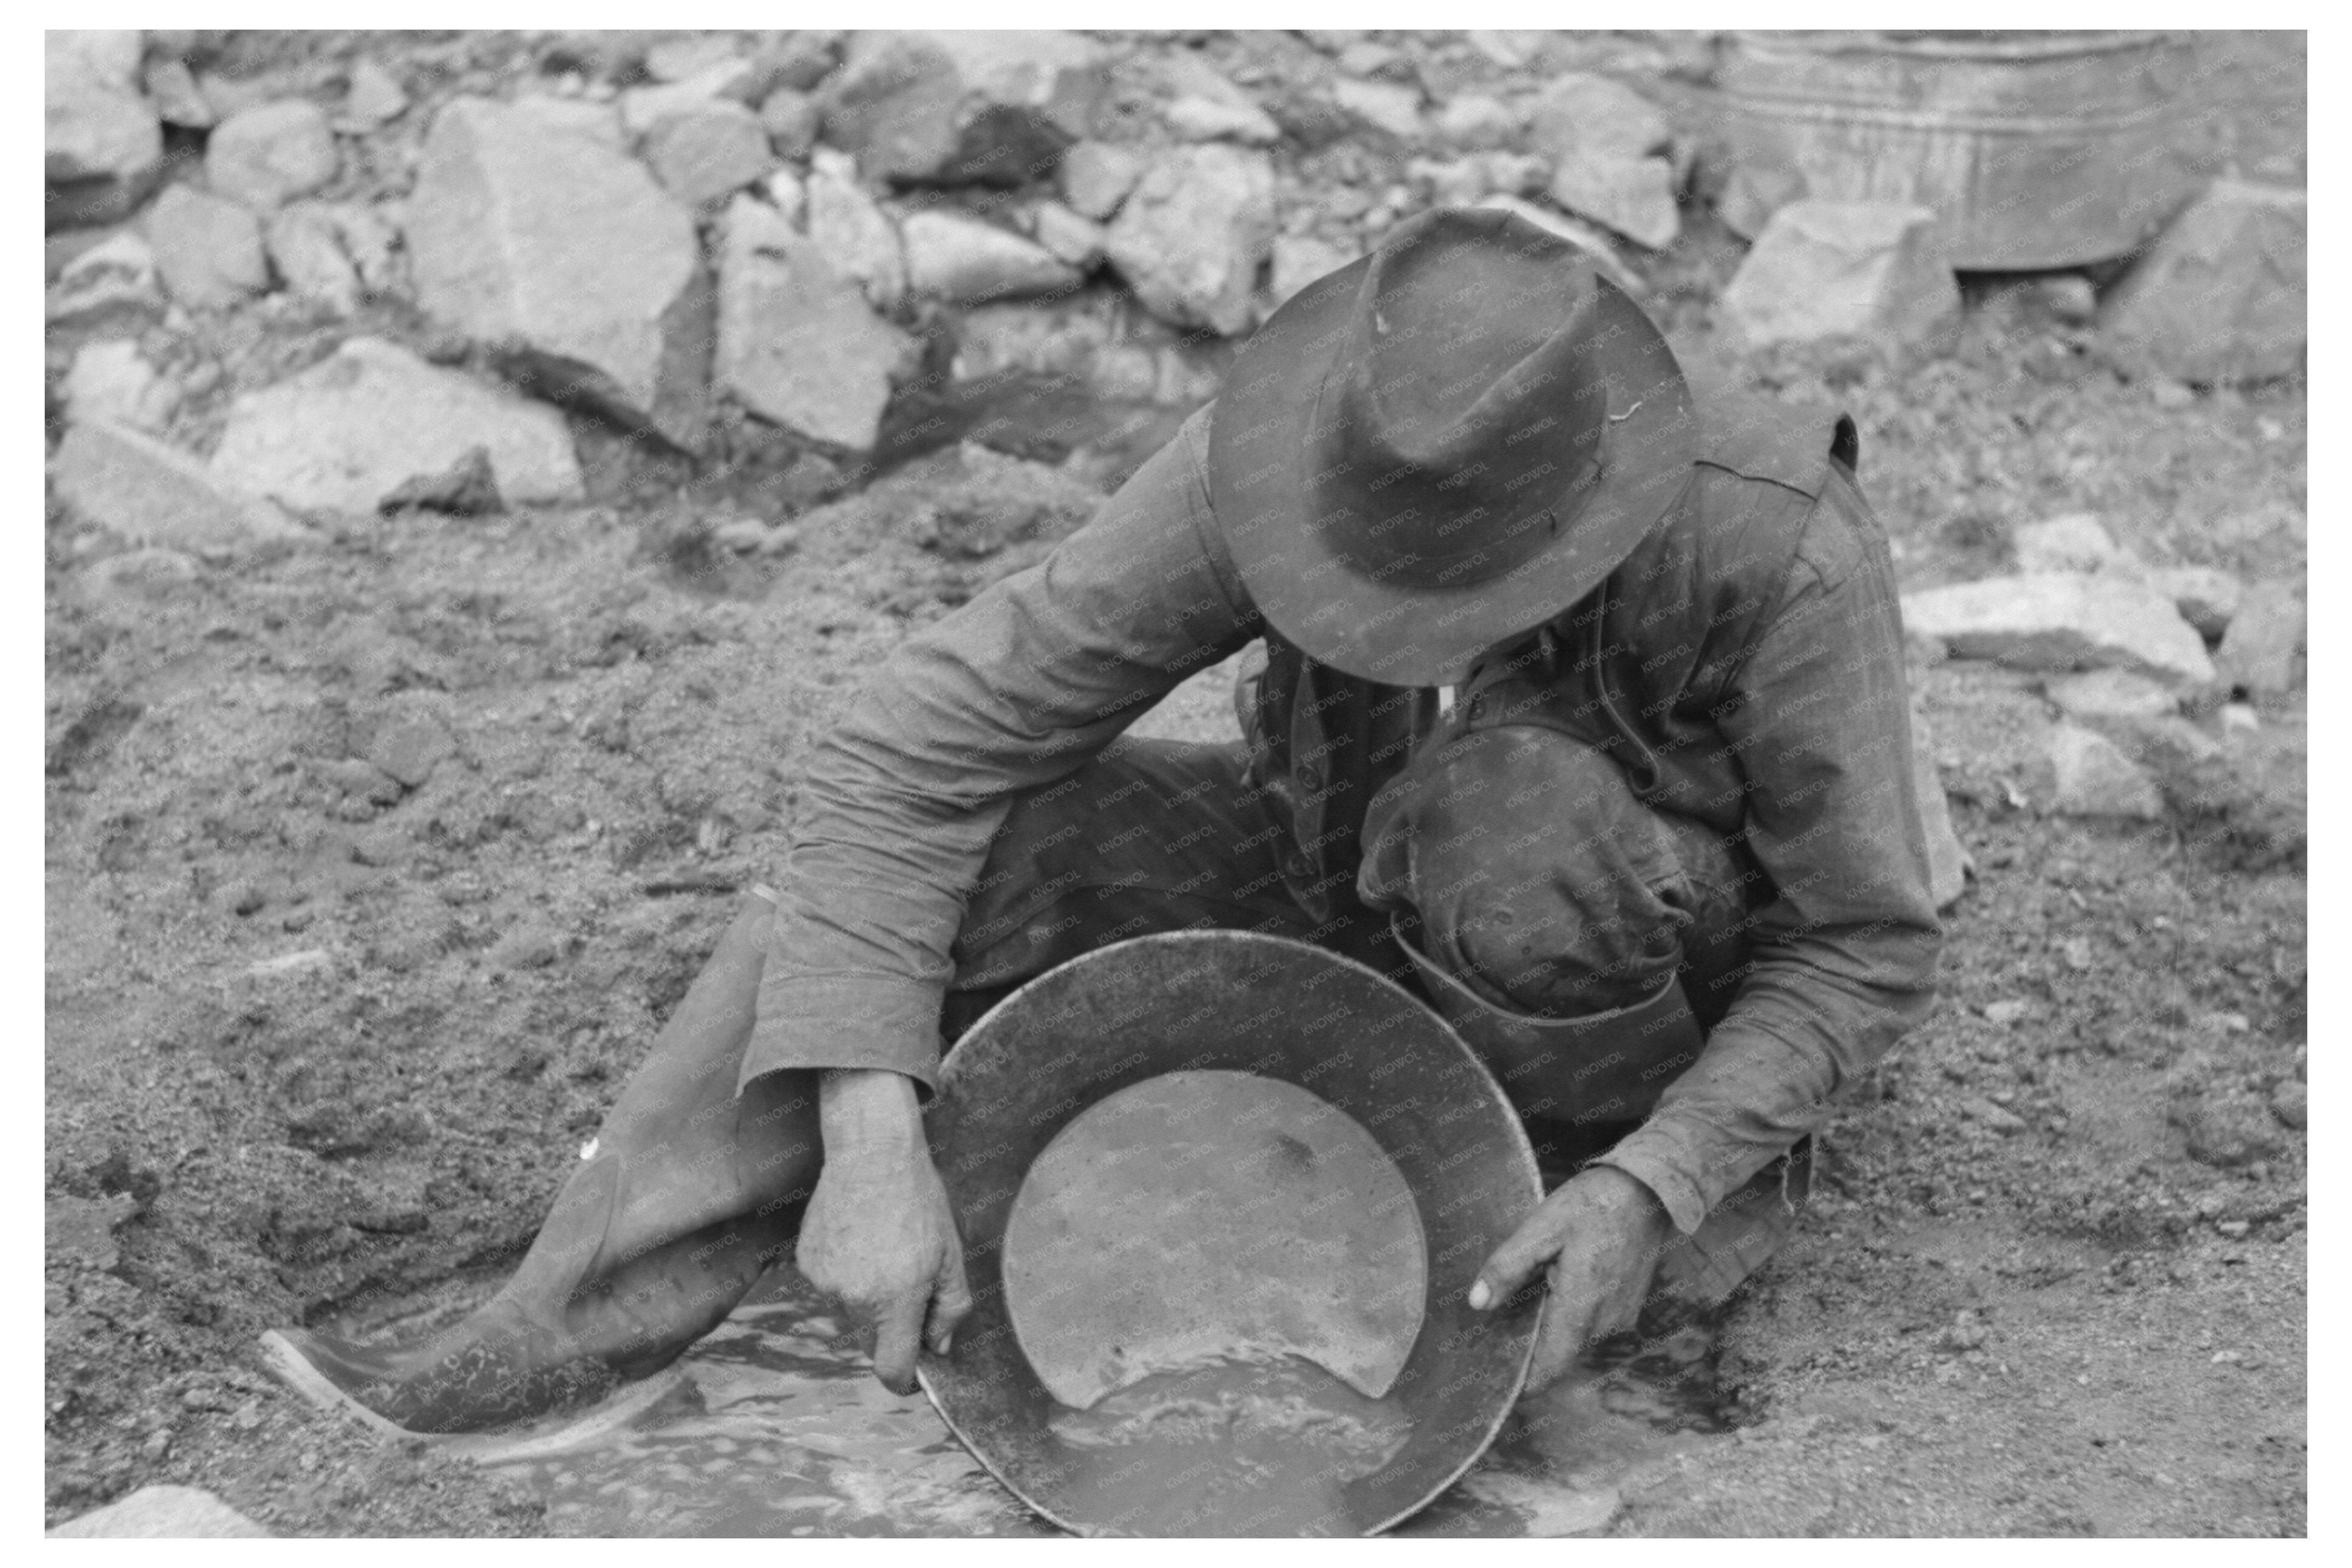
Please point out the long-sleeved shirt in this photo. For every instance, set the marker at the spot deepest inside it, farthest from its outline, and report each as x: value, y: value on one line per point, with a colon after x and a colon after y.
x: 1745, y: 665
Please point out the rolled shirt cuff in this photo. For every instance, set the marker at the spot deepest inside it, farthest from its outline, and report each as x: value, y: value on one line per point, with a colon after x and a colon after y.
x: 823, y: 1022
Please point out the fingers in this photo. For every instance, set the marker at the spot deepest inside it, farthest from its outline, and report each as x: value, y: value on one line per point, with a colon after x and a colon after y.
x: 1560, y: 1335
x: 895, y: 1327
x: 1527, y: 1250
x: 949, y: 1305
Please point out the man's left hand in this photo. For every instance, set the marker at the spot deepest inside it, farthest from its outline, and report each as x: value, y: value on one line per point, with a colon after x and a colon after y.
x: 1599, y: 1236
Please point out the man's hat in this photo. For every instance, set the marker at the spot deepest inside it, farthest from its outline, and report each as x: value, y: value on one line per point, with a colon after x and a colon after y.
x: 1222, y: 1197
x: 1443, y: 445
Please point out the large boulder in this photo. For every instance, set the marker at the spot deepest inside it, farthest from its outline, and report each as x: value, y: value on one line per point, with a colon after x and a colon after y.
x: 154, y: 494
x: 102, y: 144
x: 797, y: 343
x: 352, y: 432
x: 2064, y: 620
x: 268, y: 155
x: 958, y: 108
x: 1826, y: 269
x: 570, y: 260
x: 964, y: 261
x: 207, y: 248
x: 1609, y: 149
x: 2223, y: 294
x: 1192, y: 233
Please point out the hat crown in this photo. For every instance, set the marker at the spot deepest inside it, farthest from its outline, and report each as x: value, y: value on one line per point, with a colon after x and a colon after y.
x: 1465, y: 422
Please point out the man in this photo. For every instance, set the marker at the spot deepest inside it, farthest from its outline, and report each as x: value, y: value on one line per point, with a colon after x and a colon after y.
x: 1578, y: 702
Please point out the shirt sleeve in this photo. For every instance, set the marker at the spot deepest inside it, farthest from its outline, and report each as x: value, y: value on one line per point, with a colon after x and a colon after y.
x: 1017, y: 689
x: 1844, y: 959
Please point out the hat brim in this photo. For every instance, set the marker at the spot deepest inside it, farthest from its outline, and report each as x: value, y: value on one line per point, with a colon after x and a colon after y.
x: 1260, y: 451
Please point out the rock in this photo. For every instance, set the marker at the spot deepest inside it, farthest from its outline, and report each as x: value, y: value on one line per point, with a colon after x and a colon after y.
x: 346, y: 435
x: 1584, y: 236
x: 167, y: 1511
x: 1754, y: 192
x: 1299, y: 261
x: 1195, y: 118
x: 372, y: 96
x: 116, y: 275
x: 643, y: 108
x: 2096, y: 779
x: 567, y: 258
x: 856, y: 236
x: 2261, y: 654
x: 178, y: 101
x: 2074, y: 542
x: 1476, y: 120
x: 1096, y: 177
x: 1384, y: 105
x: 2063, y: 621
x: 1191, y: 236
x: 2008, y: 1011
x: 410, y: 747
x: 110, y: 383
x: 2006, y: 1123
x: 207, y: 248
x: 1948, y: 863
x: 709, y: 150
x: 1967, y: 1332
x: 145, y: 576
x: 797, y: 344
x: 2225, y: 1130
x: 963, y: 107
x: 2206, y: 596
x: 964, y: 261
x: 1456, y: 182
x: 2291, y: 1103
x: 267, y: 156
x: 1066, y: 235
x: 2222, y: 296
x: 151, y: 493
x: 1634, y: 197
x: 575, y: 117
x: 1824, y: 270
x: 2112, y: 694
x: 685, y: 58
x: 306, y: 246
x: 789, y: 117
x: 1584, y: 116
x: 95, y: 125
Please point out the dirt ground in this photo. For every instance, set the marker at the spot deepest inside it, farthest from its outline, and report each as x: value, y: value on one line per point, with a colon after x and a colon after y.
x: 319, y: 1038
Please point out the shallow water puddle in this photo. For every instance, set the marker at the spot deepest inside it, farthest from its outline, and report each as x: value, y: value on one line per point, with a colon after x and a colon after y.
x: 776, y: 1428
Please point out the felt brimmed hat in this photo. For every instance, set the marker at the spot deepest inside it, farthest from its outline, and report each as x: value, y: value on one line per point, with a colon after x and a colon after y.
x: 1210, y: 1144
x: 1443, y: 445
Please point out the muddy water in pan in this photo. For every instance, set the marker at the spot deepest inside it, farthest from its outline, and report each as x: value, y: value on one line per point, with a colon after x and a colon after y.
x: 777, y: 1428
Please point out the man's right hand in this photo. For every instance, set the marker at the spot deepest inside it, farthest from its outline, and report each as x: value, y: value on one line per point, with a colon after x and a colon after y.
x: 879, y: 1232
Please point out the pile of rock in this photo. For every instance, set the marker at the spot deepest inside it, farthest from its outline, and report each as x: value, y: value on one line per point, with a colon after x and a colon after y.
x: 2134, y: 655
x: 646, y: 228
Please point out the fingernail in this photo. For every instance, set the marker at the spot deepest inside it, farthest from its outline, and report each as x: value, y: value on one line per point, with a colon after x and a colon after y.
x: 1479, y: 1296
